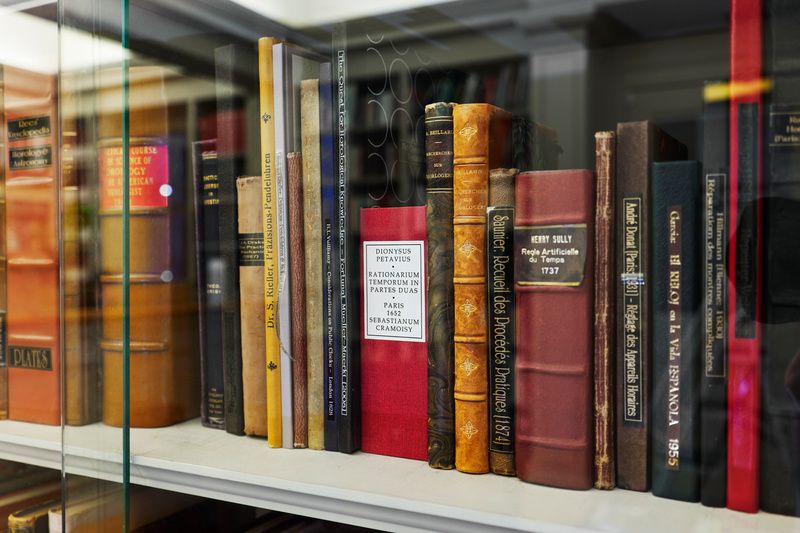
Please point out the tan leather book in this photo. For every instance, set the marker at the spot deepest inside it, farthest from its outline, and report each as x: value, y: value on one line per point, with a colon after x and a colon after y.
x: 604, y: 308
x: 251, y: 300
x: 294, y: 162
x: 164, y: 372
x: 481, y: 140
x: 312, y: 228
x: 32, y: 248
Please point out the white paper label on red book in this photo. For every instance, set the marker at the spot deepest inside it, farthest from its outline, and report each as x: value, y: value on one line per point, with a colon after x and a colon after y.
x: 394, y: 290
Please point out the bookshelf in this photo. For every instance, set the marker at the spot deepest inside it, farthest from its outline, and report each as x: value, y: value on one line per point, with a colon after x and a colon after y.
x: 359, y: 489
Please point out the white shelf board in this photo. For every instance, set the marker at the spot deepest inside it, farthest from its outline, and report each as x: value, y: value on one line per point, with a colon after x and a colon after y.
x: 360, y: 489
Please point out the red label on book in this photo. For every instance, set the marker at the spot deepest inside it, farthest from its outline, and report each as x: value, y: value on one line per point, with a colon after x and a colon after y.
x: 149, y: 176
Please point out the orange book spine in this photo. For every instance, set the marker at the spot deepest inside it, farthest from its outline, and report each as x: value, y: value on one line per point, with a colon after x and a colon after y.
x: 34, y: 375
x: 481, y: 135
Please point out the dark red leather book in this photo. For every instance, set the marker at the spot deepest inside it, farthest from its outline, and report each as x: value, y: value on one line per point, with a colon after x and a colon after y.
x: 394, y: 351
x: 744, y: 289
x: 554, y: 287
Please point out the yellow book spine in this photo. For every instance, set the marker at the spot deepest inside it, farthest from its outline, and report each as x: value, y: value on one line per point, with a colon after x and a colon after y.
x: 268, y: 180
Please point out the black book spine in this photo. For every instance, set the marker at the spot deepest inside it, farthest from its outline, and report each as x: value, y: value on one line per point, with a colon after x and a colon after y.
x: 348, y: 236
x: 676, y: 322
x: 441, y: 313
x: 713, y: 380
x: 780, y: 360
x: 229, y: 167
x: 500, y: 287
x: 209, y: 282
x: 330, y: 253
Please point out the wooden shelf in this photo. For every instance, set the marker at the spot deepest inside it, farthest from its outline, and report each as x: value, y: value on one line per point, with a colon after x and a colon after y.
x: 360, y: 489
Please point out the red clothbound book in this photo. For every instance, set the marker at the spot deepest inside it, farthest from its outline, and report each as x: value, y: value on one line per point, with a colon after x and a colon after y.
x: 394, y: 351
x: 744, y: 288
x: 554, y: 288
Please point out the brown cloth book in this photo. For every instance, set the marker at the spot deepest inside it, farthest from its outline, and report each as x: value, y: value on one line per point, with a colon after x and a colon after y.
x: 554, y: 277
x: 3, y: 285
x: 164, y: 370
x: 604, y: 284
x: 251, y: 301
x: 638, y: 145
x: 481, y: 140
x: 297, y: 271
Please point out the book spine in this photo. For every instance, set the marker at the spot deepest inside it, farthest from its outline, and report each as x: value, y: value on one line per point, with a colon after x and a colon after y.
x: 554, y: 284
x: 209, y: 280
x: 312, y: 214
x: 471, y: 124
x: 269, y: 183
x: 251, y: 286
x: 393, y: 331
x: 3, y: 271
x: 604, y: 312
x: 294, y: 164
x: 330, y: 253
x: 282, y: 119
x: 713, y: 380
x: 349, y: 414
x: 638, y: 145
x: 744, y: 269
x: 439, y: 223
x: 500, y: 297
x: 229, y: 167
x: 677, y: 291
x: 32, y: 256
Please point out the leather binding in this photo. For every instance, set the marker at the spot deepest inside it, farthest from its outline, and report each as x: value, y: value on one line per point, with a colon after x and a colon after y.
x: 79, y: 260
x: 638, y: 145
x: 481, y: 140
x: 330, y: 255
x: 312, y: 235
x: 677, y: 325
x: 604, y: 312
x: 32, y: 269
x: 744, y: 269
x: 294, y: 182
x: 780, y: 410
x: 346, y: 225
x: 163, y: 366
x: 500, y: 301
x: 231, y: 156
x: 394, y: 369
x: 439, y: 224
x: 251, y: 297
x: 554, y: 284
x: 3, y: 280
x: 268, y: 199
x: 209, y: 283
x: 713, y: 377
